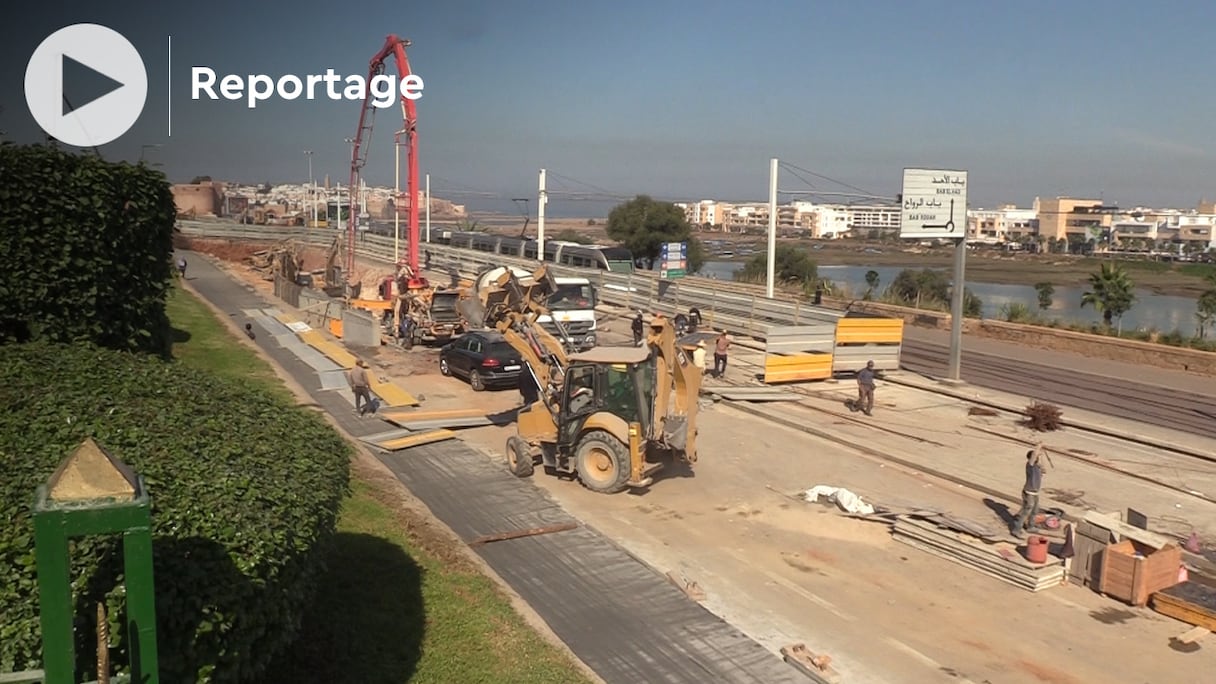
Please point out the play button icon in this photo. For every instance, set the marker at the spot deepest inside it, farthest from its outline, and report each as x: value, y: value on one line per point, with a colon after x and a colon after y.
x: 79, y: 80
x: 86, y: 85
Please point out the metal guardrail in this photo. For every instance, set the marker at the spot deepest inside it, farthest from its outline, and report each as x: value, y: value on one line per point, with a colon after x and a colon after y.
x: 742, y: 313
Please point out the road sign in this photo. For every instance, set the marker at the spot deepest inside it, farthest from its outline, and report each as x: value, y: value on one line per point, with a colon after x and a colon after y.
x: 934, y: 204
x: 673, y: 257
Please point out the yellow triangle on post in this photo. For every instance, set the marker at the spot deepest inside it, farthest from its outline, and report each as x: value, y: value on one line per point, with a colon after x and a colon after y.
x: 91, y: 473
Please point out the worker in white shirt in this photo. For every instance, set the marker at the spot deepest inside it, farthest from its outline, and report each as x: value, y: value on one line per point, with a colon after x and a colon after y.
x: 698, y: 356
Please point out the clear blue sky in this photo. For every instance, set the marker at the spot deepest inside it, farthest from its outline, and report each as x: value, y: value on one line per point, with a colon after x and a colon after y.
x: 690, y: 99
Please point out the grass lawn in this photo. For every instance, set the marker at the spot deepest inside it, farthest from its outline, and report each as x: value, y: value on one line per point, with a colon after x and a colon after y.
x: 399, y: 603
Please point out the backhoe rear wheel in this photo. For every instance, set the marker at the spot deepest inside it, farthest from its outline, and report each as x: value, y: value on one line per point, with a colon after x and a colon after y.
x: 519, y: 457
x: 602, y: 462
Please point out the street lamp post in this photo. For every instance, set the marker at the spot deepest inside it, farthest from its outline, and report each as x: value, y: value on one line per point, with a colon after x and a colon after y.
x: 311, y: 191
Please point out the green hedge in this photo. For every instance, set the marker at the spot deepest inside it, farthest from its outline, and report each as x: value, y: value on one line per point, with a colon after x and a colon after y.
x: 244, y: 491
x: 87, y: 247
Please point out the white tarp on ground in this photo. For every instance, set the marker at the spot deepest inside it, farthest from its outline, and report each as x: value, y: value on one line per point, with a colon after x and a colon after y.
x: 848, y: 501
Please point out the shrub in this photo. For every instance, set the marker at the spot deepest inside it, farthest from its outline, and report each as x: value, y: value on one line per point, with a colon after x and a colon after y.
x: 1016, y: 312
x: 87, y: 248
x: 244, y: 490
x: 1043, y: 417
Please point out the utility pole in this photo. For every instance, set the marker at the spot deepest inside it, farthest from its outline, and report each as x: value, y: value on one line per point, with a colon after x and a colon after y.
x: 540, y: 219
x: 311, y: 190
x: 397, y: 200
x: 772, y: 225
x: 956, y: 306
x: 428, y: 208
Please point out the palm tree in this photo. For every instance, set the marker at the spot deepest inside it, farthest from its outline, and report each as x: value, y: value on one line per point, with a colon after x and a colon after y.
x: 1111, y: 293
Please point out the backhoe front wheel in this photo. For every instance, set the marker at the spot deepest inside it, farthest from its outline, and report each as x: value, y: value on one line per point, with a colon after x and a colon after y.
x: 602, y: 462
x: 519, y: 457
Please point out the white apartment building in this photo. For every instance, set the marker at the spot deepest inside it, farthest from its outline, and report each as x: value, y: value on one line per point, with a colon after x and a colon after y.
x: 864, y: 219
x: 705, y: 212
x: 1004, y: 224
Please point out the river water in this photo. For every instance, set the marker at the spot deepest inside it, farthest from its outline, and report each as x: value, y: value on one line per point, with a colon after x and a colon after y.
x: 1151, y: 311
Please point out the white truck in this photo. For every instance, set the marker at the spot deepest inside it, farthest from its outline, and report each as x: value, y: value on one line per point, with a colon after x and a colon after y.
x: 572, y: 316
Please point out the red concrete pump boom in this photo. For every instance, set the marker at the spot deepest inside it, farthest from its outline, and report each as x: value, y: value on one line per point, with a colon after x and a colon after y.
x: 394, y: 47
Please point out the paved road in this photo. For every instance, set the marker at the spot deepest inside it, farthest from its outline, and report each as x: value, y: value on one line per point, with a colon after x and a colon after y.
x: 1104, y: 388
x: 619, y: 616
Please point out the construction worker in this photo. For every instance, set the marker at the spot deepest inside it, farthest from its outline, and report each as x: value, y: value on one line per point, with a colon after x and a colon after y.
x: 1024, y: 519
x: 361, y: 385
x: 181, y: 267
x: 865, y: 388
x: 721, y: 346
x: 638, y: 326
x: 698, y: 355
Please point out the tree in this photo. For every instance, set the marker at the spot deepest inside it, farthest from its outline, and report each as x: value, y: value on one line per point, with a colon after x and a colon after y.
x: 1111, y: 293
x: 871, y: 283
x: 572, y: 235
x: 1044, y: 291
x: 926, y: 285
x: 791, y: 266
x: 643, y: 224
x: 1205, y: 308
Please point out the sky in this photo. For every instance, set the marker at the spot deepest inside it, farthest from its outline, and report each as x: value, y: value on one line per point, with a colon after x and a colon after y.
x: 684, y: 100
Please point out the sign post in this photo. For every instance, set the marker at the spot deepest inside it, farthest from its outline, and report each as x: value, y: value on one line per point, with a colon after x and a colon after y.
x: 935, y: 207
x: 673, y: 259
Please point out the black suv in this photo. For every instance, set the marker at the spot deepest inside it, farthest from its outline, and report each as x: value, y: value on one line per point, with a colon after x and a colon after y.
x: 483, y: 357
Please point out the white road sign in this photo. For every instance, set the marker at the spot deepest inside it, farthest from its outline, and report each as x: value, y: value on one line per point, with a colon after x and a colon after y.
x: 934, y: 204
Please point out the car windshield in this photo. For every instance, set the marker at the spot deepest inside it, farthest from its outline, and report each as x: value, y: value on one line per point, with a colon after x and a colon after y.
x: 567, y: 297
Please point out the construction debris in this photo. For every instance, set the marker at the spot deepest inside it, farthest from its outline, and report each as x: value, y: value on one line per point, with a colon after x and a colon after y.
x: 817, y: 667
x: 1190, y: 602
x: 1008, y: 567
x: 981, y: 411
x: 1043, y: 417
x: 690, y: 588
x: 1193, y: 635
x: 520, y: 534
x: 846, y: 500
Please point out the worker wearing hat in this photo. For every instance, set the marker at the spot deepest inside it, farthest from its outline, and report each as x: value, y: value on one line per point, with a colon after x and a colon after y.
x: 865, y: 388
x: 360, y: 384
x: 698, y: 355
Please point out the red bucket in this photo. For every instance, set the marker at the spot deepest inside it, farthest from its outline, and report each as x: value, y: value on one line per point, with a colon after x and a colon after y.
x: 1036, y: 549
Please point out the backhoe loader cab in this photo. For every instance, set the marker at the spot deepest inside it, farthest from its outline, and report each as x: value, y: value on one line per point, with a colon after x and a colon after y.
x: 607, y: 432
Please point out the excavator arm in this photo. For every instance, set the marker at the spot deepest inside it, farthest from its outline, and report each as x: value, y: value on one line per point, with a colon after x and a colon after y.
x: 676, y: 391
x: 511, y: 305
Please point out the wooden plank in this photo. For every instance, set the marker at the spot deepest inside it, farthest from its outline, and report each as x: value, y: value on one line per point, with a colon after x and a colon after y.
x: 286, y: 318
x: 1183, y: 613
x: 993, y: 563
x: 1193, y: 634
x: 1003, y: 577
x: 520, y: 534
x: 416, y: 440
x: 1125, y: 530
x: 431, y: 414
x: 392, y: 395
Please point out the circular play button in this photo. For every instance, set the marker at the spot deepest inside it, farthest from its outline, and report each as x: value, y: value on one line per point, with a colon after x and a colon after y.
x: 85, y: 85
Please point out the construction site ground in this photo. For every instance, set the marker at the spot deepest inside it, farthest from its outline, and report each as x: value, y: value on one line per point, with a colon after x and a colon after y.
x: 784, y: 571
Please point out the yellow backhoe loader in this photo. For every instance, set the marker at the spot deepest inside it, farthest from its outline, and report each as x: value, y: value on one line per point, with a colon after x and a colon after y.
x: 613, y: 416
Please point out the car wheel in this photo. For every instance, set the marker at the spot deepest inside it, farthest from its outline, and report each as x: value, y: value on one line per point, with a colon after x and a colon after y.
x: 476, y: 381
x: 444, y: 369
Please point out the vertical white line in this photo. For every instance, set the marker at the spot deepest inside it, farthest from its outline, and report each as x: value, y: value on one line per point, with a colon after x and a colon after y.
x: 170, y: 93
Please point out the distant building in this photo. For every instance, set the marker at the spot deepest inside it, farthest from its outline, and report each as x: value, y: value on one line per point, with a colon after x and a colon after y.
x: 1004, y: 224
x: 1073, y: 219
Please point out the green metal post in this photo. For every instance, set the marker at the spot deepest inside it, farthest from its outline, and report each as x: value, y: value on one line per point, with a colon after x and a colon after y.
x: 141, y: 604
x: 55, y: 598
